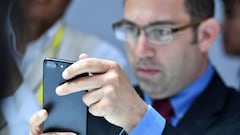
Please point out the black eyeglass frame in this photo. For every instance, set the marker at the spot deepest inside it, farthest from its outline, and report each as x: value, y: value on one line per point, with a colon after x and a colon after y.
x: 173, y: 29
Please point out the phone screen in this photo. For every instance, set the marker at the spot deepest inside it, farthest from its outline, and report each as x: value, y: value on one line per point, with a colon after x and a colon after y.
x: 65, y: 113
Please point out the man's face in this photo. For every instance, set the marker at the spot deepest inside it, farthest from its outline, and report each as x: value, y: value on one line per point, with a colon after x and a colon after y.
x: 231, y: 30
x: 43, y: 9
x: 162, y: 70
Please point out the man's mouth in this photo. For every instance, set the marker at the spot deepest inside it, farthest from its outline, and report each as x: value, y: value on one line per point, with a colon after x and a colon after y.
x: 147, y: 72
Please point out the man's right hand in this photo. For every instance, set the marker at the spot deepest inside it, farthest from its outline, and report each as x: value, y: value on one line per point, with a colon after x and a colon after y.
x: 36, y: 124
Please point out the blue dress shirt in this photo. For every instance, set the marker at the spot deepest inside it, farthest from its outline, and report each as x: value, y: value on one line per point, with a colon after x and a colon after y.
x: 153, y: 123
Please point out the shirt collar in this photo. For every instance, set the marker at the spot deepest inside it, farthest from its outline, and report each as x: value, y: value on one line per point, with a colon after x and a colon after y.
x: 182, y: 101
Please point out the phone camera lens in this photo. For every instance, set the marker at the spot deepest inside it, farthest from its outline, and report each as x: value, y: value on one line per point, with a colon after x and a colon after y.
x: 51, y: 64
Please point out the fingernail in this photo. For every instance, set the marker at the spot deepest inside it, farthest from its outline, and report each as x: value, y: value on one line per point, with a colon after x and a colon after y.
x: 65, y: 75
x: 41, y: 114
x: 59, y: 90
x: 71, y: 134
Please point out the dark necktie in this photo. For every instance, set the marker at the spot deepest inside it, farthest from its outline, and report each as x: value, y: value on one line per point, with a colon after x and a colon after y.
x: 164, y: 107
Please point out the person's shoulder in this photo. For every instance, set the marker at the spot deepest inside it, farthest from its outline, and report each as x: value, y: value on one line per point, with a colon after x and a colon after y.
x: 218, y: 90
x: 231, y: 108
x: 233, y: 95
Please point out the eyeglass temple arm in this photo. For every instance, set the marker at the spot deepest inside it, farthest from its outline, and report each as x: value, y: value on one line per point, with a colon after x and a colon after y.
x: 196, y: 22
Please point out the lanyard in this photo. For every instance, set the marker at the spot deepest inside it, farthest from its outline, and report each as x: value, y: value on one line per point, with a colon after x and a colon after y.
x: 54, y: 47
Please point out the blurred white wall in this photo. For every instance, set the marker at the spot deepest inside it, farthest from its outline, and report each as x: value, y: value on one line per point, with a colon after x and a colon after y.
x: 96, y: 17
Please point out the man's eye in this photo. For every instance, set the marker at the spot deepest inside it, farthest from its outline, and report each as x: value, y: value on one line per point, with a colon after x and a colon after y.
x: 131, y: 29
x: 160, y: 32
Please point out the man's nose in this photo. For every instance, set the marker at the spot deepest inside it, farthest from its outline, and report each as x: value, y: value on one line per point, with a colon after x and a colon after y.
x: 143, y: 47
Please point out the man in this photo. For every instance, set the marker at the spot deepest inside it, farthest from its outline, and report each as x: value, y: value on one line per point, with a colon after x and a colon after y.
x: 11, y: 81
x: 3, y: 69
x: 167, y: 43
x: 231, y: 26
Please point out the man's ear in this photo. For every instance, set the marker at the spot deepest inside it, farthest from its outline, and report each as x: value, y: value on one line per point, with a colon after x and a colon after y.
x: 207, y: 33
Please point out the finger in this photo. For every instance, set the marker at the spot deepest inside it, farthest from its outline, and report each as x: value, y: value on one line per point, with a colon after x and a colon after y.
x: 106, y: 101
x: 36, y: 122
x: 82, y: 56
x: 92, y: 96
x: 87, y: 65
x: 80, y: 84
x: 100, y: 108
x: 58, y: 133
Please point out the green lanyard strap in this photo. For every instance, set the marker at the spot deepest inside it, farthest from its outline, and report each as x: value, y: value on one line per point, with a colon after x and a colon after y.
x: 57, y: 40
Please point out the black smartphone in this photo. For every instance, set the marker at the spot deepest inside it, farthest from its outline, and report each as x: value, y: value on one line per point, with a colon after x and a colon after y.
x: 65, y: 113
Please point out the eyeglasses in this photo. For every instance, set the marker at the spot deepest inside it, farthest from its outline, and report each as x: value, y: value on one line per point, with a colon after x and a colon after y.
x: 156, y: 33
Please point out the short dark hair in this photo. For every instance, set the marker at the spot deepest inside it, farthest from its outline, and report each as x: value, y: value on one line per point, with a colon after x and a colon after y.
x: 230, y: 6
x: 200, y: 9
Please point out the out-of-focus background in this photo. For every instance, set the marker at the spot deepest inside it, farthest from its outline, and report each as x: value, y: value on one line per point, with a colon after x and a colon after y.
x: 96, y: 17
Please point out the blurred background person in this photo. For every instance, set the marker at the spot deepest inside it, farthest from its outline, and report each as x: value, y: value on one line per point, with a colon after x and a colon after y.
x: 3, y: 81
x: 3, y: 68
x: 15, y: 96
x: 231, y: 29
x: 36, y: 30
x: 226, y: 64
x: 41, y: 32
x: 10, y: 82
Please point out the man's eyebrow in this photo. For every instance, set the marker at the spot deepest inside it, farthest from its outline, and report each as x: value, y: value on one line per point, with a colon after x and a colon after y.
x: 157, y: 22
x: 162, y: 23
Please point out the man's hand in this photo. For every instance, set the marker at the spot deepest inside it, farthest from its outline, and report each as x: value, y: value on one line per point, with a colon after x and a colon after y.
x: 36, y: 124
x: 110, y: 93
